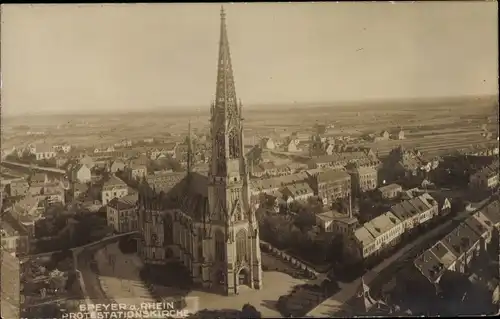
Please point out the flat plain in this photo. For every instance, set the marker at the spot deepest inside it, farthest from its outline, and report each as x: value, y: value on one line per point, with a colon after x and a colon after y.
x: 432, y: 126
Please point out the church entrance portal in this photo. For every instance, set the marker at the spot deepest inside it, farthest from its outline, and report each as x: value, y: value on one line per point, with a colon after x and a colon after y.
x: 220, y: 277
x: 244, y: 277
x: 168, y: 253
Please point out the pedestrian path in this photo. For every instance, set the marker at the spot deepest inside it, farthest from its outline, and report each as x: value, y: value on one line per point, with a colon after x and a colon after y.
x: 119, y: 276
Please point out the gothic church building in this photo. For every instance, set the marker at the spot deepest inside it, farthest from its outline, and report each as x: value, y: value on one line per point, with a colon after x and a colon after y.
x: 207, y: 222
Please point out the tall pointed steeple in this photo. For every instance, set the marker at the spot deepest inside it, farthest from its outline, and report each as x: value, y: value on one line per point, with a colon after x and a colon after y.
x: 190, y: 156
x: 226, y: 119
x: 228, y: 185
x: 225, y: 93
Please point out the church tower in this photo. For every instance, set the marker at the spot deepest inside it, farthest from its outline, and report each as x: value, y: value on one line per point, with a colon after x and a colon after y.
x: 236, y: 258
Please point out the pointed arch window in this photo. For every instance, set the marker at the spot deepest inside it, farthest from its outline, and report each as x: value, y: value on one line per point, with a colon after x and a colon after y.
x: 220, y: 249
x: 234, y: 144
x: 241, y: 245
x: 154, y: 239
x: 168, y: 230
x: 200, y: 243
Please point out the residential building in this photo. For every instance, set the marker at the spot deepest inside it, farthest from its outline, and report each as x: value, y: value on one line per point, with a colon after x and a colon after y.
x: 427, y: 207
x: 384, y: 135
x: 272, y: 201
x: 43, y: 152
x: 297, y: 192
x: 415, y: 211
x: 104, y: 149
x: 444, y: 204
x: 453, y: 253
x: 14, y: 235
x: 434, y: 262
x: 332, y: 221
x: 163, y: 150
x: 141, y: 160
x: 27, y: 212
x: 267, y: 143
x: 11, y: 285
x: 405, y: 164
x: 113, y: 188
x: 268, y: 168
x: 386, y: 229
x: 65, y: 148
x: 399, y: 135
x: 80, y: 190
x: 486, y: 178
x: 276, y: 183
x: 18, y: 188
x: 363, y: 179
x: 329, y: 147
x: 330, y: 185
x: 61, y: 161
x: 53, y: 192
x: 81, y: 173
x: 291, y: 145
x: 124, y: 143
x: 390, y: 191
x: 122, y: 214
x: 360, y: 245
x: 374, y: 236
x: 492, y: 212
x: 37, y: 181
x: 257, y: 171
x: 136, y: 171
x: 483, y: 227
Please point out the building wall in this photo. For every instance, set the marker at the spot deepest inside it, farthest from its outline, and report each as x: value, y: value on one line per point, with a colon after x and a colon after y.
x: 10, y: 287
x: 83, y: 175
x: 334, y: 190
x: 45, y: 155
x: 172, y: 235
x: 122, y: 221
x: 108, y: 195
x: 18, y: 189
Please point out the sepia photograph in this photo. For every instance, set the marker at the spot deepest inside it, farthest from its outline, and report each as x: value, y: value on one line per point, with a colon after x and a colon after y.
x: 249, y: 160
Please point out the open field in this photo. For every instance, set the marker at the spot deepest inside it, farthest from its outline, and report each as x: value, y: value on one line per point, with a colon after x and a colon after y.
x: 430, y: 126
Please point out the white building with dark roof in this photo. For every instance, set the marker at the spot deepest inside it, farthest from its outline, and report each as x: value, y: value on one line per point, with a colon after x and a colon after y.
x: 113, y: 188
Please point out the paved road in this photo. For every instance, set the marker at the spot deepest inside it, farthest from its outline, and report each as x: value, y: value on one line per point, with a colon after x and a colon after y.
x: 334, y: 304
x: 35, y: 167
x: 90, y: 278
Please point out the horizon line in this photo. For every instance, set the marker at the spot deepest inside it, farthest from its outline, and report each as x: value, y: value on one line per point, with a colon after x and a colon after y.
x: 252, y: 106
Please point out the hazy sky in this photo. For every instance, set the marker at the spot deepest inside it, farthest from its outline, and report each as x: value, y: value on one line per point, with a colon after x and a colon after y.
x: 107, y: 57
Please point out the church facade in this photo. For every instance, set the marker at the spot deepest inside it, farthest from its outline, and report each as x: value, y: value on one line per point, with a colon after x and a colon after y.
x: 206, y: 221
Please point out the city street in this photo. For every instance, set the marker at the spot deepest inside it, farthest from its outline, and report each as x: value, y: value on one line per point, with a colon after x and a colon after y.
x: 90, y: 278
x: 335, y: 303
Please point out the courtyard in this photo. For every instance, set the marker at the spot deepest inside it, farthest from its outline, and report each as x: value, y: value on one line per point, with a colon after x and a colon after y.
x: 120, y: 278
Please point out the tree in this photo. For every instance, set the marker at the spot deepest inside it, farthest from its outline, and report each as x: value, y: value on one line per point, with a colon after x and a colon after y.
x: 305, y: 219
x: 250, y: 312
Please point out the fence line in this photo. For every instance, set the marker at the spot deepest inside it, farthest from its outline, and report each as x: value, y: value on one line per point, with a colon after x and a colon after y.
x: 286, y: 257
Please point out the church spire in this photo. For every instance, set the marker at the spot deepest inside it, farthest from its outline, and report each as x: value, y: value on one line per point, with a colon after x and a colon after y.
x: 225, y: 111
x: 190, y: 149
x: 226, y: 101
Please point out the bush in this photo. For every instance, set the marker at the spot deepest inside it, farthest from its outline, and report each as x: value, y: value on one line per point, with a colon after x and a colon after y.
x: 249, y: 311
